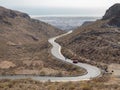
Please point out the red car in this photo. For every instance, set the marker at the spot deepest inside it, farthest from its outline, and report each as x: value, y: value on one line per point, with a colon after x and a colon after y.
x: 75, y: 61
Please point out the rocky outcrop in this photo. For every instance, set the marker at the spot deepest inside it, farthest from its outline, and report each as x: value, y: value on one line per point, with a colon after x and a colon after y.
x: 113, y: 15
x: 112, y: 12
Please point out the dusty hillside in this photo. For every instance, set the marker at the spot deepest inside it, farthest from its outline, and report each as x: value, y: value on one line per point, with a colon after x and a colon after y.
x: 97, y: 42
x: 24, y: 47
x: 19, y: 28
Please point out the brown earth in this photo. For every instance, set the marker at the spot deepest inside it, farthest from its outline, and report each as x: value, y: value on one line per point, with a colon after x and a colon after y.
x: 24, y: 47
x: 6, y: 64
x: 102, y: 83
x: 94, y: 42
x: 98, y: 41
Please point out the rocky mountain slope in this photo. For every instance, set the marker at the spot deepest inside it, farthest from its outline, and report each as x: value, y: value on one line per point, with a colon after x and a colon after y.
x: 98, y: 42
x: 19, y: 28
x: 24, y: 47
x: 113, y: 14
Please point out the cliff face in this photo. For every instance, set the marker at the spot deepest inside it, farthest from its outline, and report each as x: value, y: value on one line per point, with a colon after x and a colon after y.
x: 113, y: 14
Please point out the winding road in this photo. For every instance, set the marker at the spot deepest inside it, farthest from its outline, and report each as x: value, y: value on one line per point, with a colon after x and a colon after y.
x: 92, y: 71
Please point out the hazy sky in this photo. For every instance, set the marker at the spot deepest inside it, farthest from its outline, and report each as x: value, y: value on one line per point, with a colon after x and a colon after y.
x: 60, y: 7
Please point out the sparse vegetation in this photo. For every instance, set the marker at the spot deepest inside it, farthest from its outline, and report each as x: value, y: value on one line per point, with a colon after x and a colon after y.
x: 102, y: 83
x: 97, y: 42
x: 94, y: 43
x: 25, y: 49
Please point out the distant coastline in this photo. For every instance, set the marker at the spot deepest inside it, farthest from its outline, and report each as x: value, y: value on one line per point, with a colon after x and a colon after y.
x: 33, y: 16
x: 65, y: 22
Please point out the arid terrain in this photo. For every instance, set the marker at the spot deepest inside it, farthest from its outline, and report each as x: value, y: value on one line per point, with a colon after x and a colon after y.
x: 97, y: 43
x: 24, y: 47
x: 27, y: 52
x: 103, y: 83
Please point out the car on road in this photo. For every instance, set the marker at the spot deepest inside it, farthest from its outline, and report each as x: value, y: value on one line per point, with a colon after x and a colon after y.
x: 75, y: 61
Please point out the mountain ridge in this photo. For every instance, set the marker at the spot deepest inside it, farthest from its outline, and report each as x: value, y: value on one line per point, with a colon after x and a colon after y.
x: 97, y: 42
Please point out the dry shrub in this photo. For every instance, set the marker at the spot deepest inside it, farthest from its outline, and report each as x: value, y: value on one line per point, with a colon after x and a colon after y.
x: 104, y: 78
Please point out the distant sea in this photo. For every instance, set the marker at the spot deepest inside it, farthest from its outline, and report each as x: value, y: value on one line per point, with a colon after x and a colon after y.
x: 66, y: 22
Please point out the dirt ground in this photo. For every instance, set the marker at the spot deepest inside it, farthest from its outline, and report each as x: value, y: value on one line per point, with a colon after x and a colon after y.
x: 6, y: 64
x: 115, y: 68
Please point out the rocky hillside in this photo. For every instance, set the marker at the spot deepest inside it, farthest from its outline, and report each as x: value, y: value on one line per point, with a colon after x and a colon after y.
x: 97, y: 42
x: 24, y: 48
x: 19, y: 28
x: 113, y: 14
